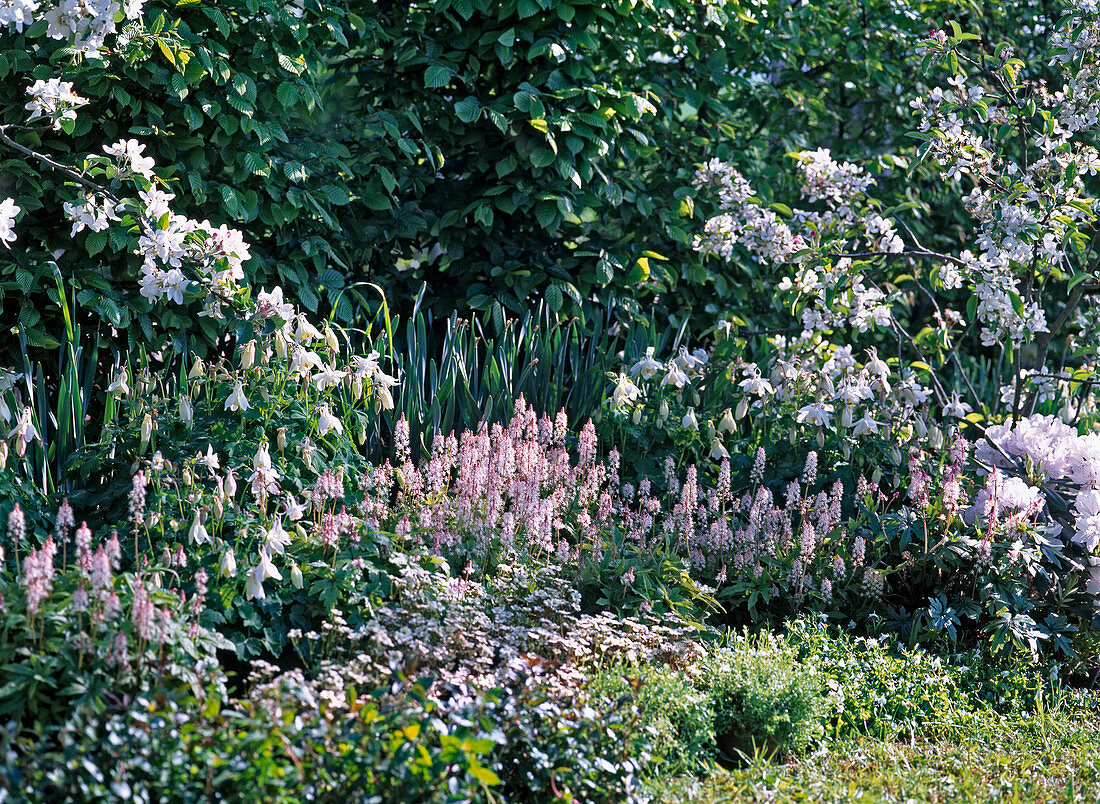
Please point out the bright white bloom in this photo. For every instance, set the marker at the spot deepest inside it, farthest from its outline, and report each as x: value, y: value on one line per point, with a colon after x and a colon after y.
x: 210, y: 460
x: 198, y: 534
x: 237, y: 400
x: 866, y: 425
x: 276, y: 538
x: 626, y: 392
x: 382, y: 384
x: 254, y: 587
x: 17, y: 13
x: 54, y: 99
x: 265, y: 477
x: 8, y: 211
x: 24, y: 431
x: 129, y: 154
x: 228, y: 565
x: 265, y: 569
x: 328, y: 377
x: 717, y: 451
x: 689, y: 421
x: 647, y: 366
x: 819, y: 413
x: 294, y: 510
x: 1087, y: 508
x: 326, y: 421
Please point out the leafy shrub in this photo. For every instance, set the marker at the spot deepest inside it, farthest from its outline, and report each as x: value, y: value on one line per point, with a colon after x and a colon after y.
x: 677, y: 715
x: 765, y: 701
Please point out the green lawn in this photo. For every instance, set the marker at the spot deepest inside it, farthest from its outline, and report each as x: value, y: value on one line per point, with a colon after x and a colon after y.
x: 1054, y: 757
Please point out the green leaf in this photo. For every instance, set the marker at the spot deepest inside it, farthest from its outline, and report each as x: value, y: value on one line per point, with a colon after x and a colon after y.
x: 437, y: 76
x: 468, y: 110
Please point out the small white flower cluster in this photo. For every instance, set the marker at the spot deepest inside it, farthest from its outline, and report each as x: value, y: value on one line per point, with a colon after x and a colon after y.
x: 54, y: 99
x: 742, y: 221
x: 17, y: 13
x: 8, y: 212
x: 88, y: 23
x: 179, y: 254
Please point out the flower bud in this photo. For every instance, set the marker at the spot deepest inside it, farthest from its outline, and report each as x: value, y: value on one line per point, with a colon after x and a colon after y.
x: 280, y: 439
x: 356, y: 388
x: 846, y: 450
x: 3, y: 454
x: 248, y: 355
x: 792, y: 435
x: 820, y: 437
x: 895, y: 456
x: 146, y: 431
x: 280, y: 344
x: 198, y: 370
x: 637, y: 417
x: 219, y: 508
x: 230, y: 485
x: 846, y: 417
x: 296, y: 576
x: 876, y: 476
x: 186, y: 478
x: 174, y: 525
x: 330, y: 340
x: 187, y: 411
x: 742, y: 407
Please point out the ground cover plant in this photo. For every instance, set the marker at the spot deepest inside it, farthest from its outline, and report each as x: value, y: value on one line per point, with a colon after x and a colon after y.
x: 549, y: 400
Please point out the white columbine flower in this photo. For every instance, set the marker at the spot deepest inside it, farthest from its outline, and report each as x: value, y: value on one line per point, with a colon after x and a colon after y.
x: 237, y: 400
x: 326, y: 421
x: 198, y: 534
x: 819, y: 413
x: 276, y: 538
x: 689, y: 421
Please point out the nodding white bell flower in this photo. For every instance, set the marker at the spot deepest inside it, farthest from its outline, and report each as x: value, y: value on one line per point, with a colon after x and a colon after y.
x: 676, y: 376
x: 276, y: 538
x: 626, y: 392
x: 230, y: 484
x: 689, y: 421
x: 228, y: 565
x: 237, y: 400
x: 265, y: 568
x: 248, y: 355
x: 866, y: 425
x: 119, y: 385
x: 382, y: 384
x: 331, y: 341
x: 326, y: 421
x: 305, y: 332
x: 717, y: 451
x: 24, y: 431
x: 146, y: 431
x: 662, y: 413
x: 254, y: 588
x: 198, y: 533
x: 264, y: 477
x: 296, y: 575
x: 365, y: 367
x: 198, y: 370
